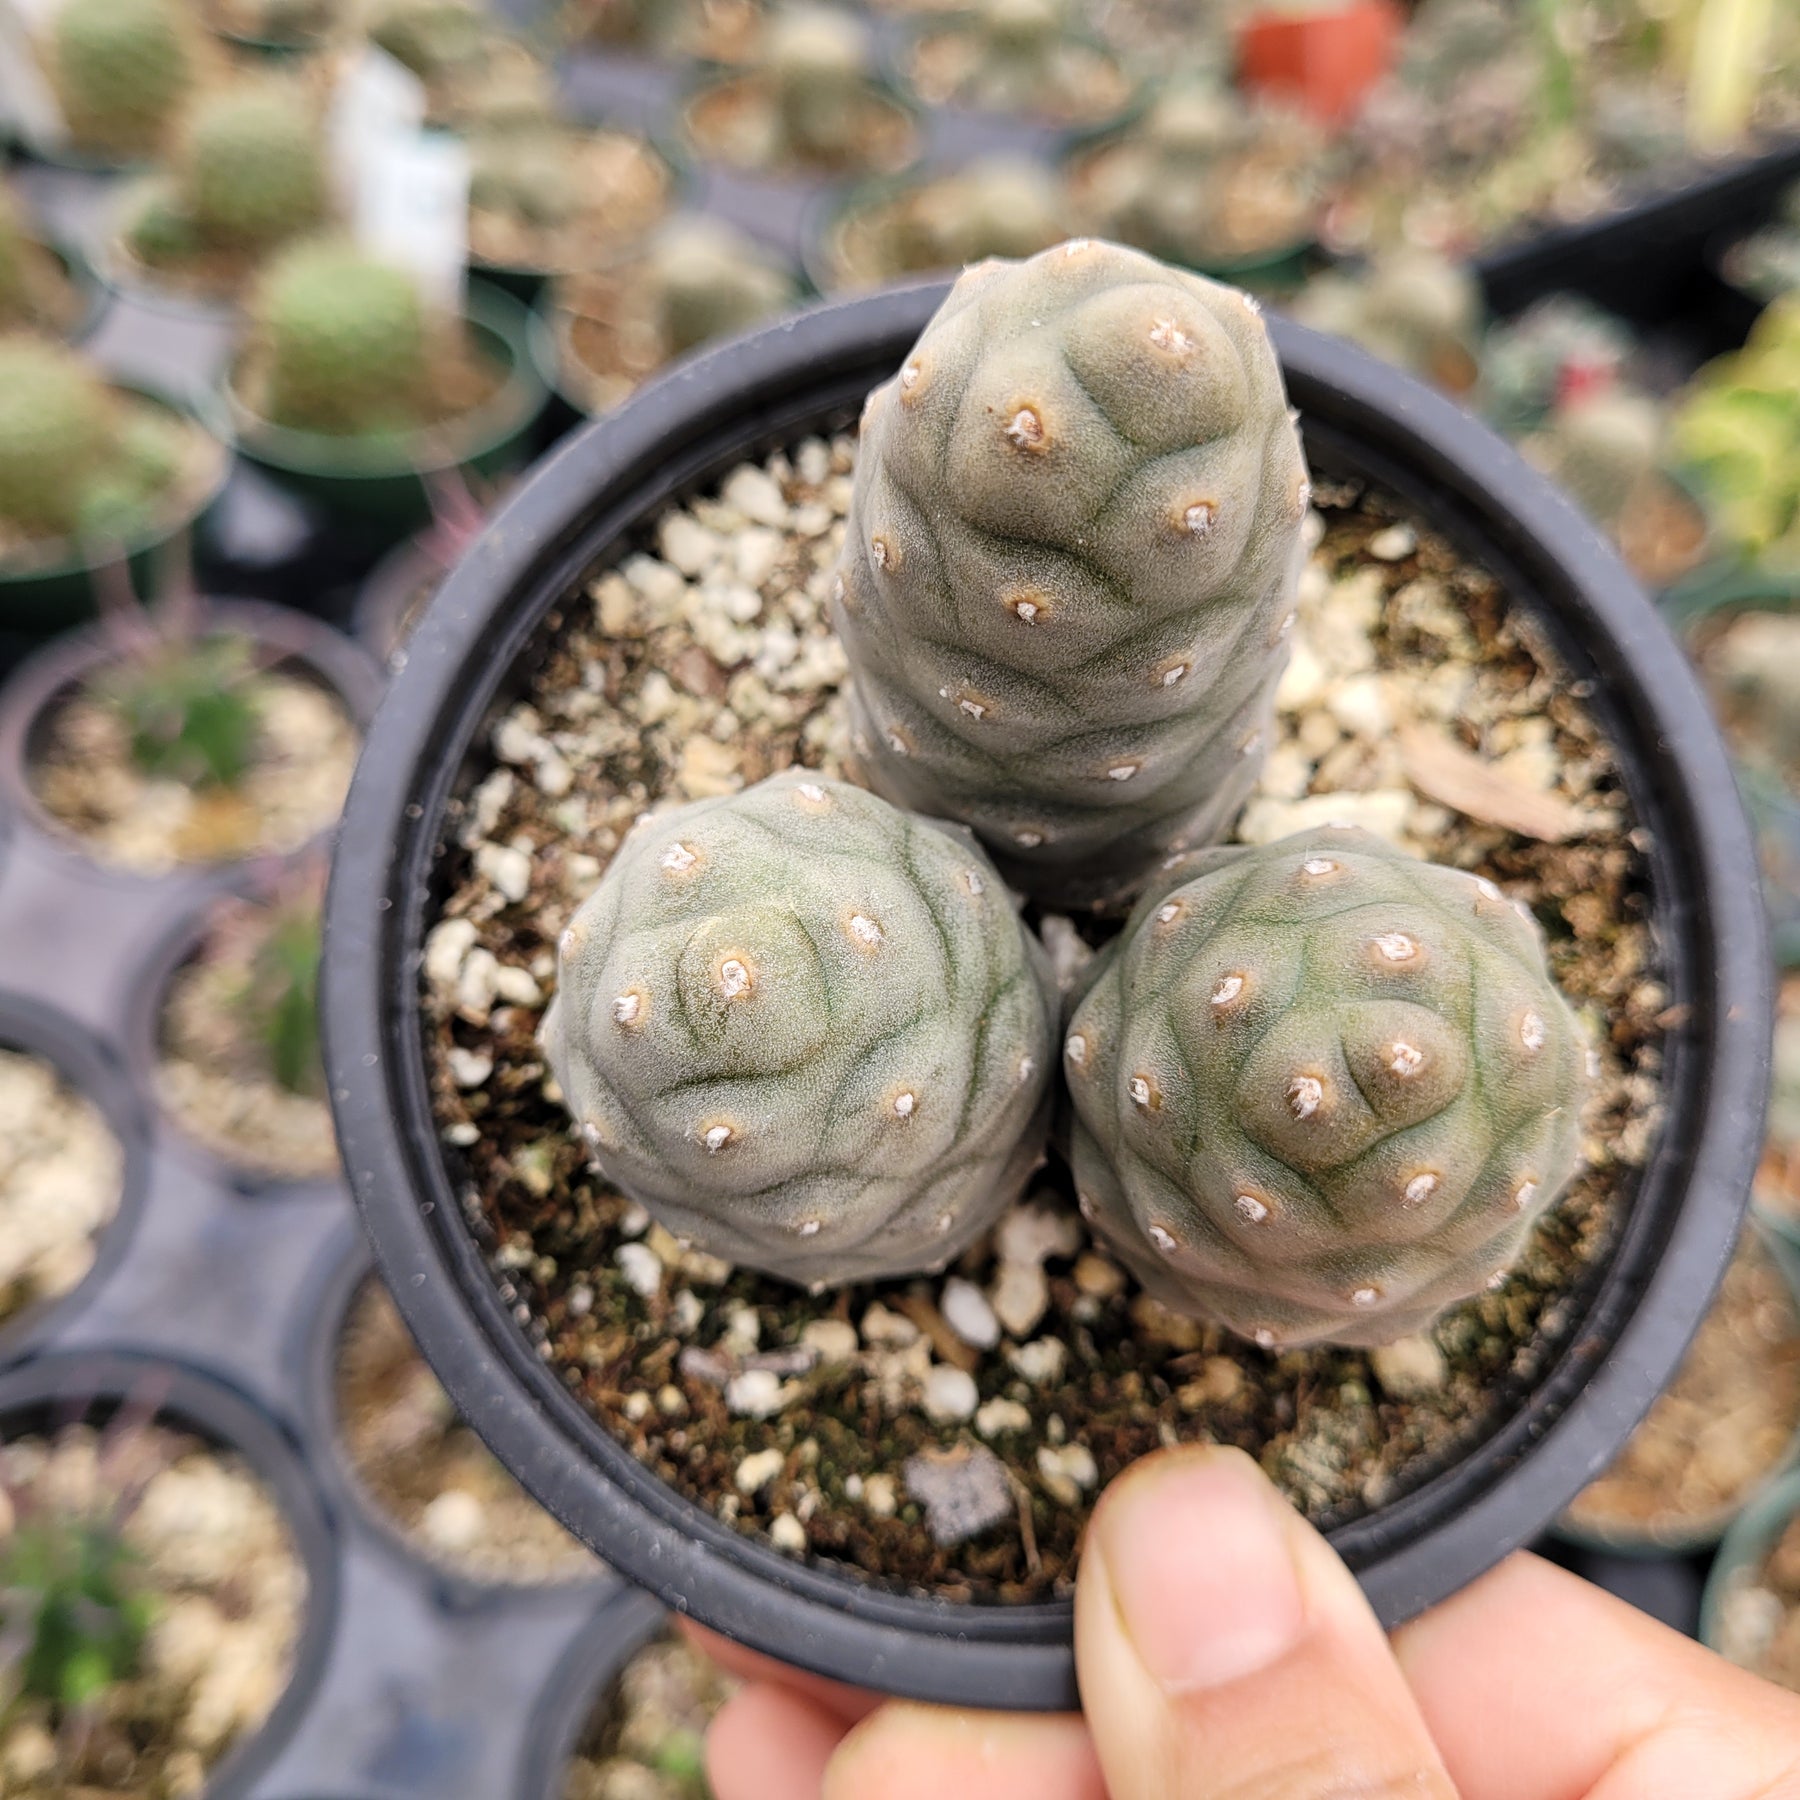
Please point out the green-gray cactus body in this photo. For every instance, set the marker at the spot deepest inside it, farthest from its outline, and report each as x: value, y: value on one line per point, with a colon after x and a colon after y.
x: 254, y: 166
x: 710, y: 281
x: 344, y: 339
x: 56, y: 431
x: 1322, y: 1090
x: 807, y: 1031
x: 1600, y: 446
x: 1068, y: 571
x: 819, y: 63
x: 121, y: 68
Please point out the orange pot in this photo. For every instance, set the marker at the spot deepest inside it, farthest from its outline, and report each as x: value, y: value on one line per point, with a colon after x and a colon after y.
x: 1326, y: 60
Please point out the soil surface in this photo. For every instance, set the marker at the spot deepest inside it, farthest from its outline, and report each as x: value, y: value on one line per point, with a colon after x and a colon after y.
x: 1726, y: 1423
x: 1759, y: 1613
x: 215, y: 1072
x: 226, y: 1593
x: 427, y: 1471
x: 646, y: 1739
x: 951, y: 1433
x: 61, y: 1176
x: 85, y: 777
x: 626, y: 188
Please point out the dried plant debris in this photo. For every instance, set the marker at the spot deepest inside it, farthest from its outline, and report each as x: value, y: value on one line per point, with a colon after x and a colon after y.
x: 860, y: 1425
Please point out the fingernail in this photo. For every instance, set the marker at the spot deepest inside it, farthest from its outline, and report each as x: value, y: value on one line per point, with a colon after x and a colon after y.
x: 1196, y: 1551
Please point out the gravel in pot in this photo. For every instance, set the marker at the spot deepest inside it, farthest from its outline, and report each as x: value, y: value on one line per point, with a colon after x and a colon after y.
x: 1751, y: 1612
x: 427, y: 1473
x: 945, y: 1436
x: 227, y: 736
x: 645, y: 1739
x: 237, y: 1063
x: 163, y: 1561
x: 1726, y: 1424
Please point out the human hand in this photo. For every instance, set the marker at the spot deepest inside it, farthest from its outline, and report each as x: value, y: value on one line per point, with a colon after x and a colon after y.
x: 1225, y: 1653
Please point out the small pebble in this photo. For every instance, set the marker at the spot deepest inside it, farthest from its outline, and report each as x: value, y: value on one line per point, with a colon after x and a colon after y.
x: 509, y: 869
x: 787, y: 1533
x: 639, y: 1265
x: 964, y: 1491
x: 831, y: 1340
x: 1394, y: 544
x: 445, y: 948
x: 1410, y: 1369
x: 469, y: 1068
x: 686, y: 1313
x: 1067, y: 1472
x: 1020, y: 1297
x: 1034, y: 1232
x: 757, y: 1470
x: 454, y: 1520
x: 686, y: 543
x: 879, y: 1496
x: 1098, y: 1276
x: 887, y: 1330
x: 967, y: 1313
x: 1040, y: 1361
x: 757, y: 1394
x: 756, y: 494
x: 634, y: 1221
x: 1000, y: 1416
x: 950, y: 1394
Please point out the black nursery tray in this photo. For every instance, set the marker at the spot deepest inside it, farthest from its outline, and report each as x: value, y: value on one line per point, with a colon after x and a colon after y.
x: 223, y: 1294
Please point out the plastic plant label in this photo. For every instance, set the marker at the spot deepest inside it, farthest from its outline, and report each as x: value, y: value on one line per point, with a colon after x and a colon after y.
x: 27, y: 99
x: 412, y: 209
x: 375, y: 98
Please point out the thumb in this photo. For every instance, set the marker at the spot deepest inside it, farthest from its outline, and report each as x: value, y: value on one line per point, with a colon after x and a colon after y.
x: 1225, y: 1653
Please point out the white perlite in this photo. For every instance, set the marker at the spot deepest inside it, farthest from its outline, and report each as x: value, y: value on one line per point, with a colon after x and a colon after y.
x: 967, y: 1313
x: 950, y: 1394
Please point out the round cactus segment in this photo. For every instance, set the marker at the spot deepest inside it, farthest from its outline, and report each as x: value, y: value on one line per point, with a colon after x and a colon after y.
x: 121, y: 68
x: 254, y: 165
x: 710, y: 281
x: 56, y: 431
x: 345, y: 341
x: 1322, y: 1090
x: 1069, y: 564
x: 807, y: 1031
x: 819, y: 62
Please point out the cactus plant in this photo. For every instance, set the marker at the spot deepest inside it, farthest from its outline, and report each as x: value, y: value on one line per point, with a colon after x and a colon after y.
x: 710, y: 281
x: 1601, y: 446
x: 187, y: 705
x: 280, y: 997
x: 253, y: 165
x: 433, y: 38
x: 1020, y: 56
x: 345, y: 342
x: 1417, y: 309
x: 1067, y: 577
x: 992, y: 206
x: 121, y: 68
x: 1322, y: 1090
x: 288, y: 24
x: 807, y: 1031
x: 1203, y: 179
x: 56, y: 420
x: 818, y: 62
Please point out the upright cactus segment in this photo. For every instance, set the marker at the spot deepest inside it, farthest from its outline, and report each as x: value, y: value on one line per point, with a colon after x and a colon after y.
x: 1067, y: 577
x: 710, y: 281
x: 253, y: 166
x: 1600, y: 446
x: 807, y: 1031
x: 345, y: 342
x: 120, y: 68
x: 819, y: 62
x: 56, y: 425
x: 1322, y: 1090
x: 1414, y: 308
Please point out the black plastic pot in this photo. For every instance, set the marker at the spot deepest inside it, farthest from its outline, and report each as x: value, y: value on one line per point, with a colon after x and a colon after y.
x: 91, y: 1385
x: 810, y: 374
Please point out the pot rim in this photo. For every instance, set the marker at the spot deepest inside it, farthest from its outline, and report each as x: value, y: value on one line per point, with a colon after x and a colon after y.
x: 225, y: 1419
x: 338, y: 664
x: 692, y: 425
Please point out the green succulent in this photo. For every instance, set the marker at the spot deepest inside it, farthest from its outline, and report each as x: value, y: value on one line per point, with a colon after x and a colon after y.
x: 433, y: 38
x: 281, y: 998
x: 1414, y: 308
x: 711, y: 281
x: 807, y: 1031
x: 526, y: 174
x: 57, y: 419
x: 1561, y: 346
x: 1322, y: 1090
x: 188, y: 707
x: 1067, y: 578
x: 70, y: 1597
x: 253, y: 169
x: 1600, y: 446
x: 121, y: 69
x: 819, y: 62
x: 345, y: 342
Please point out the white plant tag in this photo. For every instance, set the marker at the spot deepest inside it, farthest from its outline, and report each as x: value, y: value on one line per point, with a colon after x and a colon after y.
x: 27, y: 100
x: 412, y: 210
x: 375, y: 98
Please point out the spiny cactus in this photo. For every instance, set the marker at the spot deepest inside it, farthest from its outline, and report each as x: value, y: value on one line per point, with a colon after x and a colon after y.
x: 710, y: 281
x: 433, y: 38
x: 1067, y: 577
x: 1600, y: 447
x: 253, y: 165
x: 819, y: 62
x: 1412, y: 307
x: 345, y: 338
x: 281, y: 997
x: 187, y: 707
x: 807, y: 1031
x: 528, y: 175
x: 56, y: 420
x: 1019, y: 56
x: 121, y: 68
x: 1322, y: 1090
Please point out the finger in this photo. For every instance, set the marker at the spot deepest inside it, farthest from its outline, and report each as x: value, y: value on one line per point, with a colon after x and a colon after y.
x: 770, y: 1743
x: 849, y: 1703
x: 1537, y: 1686
x: 911, y: 1752
x: 1224, y: 1651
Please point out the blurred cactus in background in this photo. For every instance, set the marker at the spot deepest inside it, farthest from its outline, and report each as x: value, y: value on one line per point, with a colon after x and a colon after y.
x: 121, y: 69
